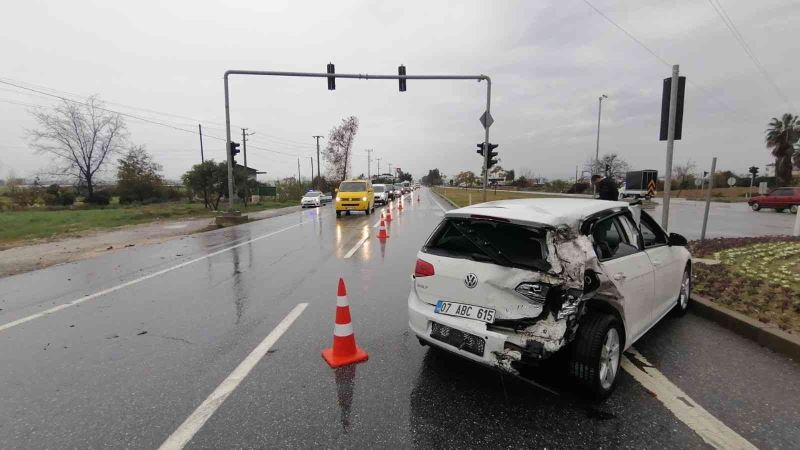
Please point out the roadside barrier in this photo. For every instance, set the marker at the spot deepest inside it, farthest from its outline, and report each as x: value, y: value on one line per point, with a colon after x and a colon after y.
x: 344, y: 350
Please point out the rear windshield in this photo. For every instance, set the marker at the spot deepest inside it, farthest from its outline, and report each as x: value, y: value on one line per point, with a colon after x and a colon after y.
x: 491, y: 241
x: 377, y: 188
x: 352, y: 186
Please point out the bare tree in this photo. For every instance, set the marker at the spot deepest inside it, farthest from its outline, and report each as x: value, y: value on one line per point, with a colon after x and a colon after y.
x: 340, y: 147
x: 680, y: 172
x: 616, y: 165
x: 81, y: 137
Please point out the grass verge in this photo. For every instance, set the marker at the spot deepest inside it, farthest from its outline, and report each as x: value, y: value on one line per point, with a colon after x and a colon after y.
x: 32, y: 224
x: 758, y: 277
x: 461, y: 197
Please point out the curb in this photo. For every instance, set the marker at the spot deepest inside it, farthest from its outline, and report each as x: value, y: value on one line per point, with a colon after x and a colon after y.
x: 450, y: 202
x: 766, y: 335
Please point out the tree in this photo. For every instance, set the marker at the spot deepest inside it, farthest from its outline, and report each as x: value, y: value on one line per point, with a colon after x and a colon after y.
x: 617, y: 165
x: 209, y: 179
x: 340, y: 146
x: 510, y: 175
x: 138, y: 177
x: 467, y: 178
x: 781, y: 137
x: 683, y: 174
x: 433, y: 178
x: 404, y: 176
x: 81, y: 138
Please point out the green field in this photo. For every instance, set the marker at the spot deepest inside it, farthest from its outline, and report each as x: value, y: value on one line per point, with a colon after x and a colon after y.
x: 461, y: 197
x: 30, y: 224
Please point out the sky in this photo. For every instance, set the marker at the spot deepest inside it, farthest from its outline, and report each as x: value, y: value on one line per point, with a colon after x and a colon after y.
x: 549, y: 61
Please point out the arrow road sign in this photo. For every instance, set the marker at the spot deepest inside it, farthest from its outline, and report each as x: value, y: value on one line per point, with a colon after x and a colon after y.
x: 486, y: 119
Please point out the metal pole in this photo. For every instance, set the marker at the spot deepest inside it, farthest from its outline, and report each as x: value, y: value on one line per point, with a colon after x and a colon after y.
x: 369, y: 162
x: 228, y: 146
x: 379, y: 166
x: 596, y: 164
x: 673, y: 108
x: 486, y: 137
x: 298, y: 170
x: 311, y: 158
x: 200, y: 129
x: 319, y: 173
x: 246, y: 172
x: 708, y: 197
x: 796, y: 231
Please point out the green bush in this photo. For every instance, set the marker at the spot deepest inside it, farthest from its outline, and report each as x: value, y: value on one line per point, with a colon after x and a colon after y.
x: 100, y: 198
x: 66, y: 197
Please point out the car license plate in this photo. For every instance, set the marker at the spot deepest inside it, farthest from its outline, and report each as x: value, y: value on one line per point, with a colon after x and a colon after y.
x: 466, y: 311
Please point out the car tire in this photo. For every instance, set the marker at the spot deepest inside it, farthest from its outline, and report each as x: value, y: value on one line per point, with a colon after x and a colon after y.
x: 596, y: 354
x: 338, y: 214
x: 682, y: 304
x: 779, y: 210
x: 793, y: 209
x: 755, y: 206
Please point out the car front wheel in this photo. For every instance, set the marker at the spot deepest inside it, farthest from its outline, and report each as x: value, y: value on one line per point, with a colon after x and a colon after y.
x: 682, y: 304
x: 755, y: 206
x: 596, y: 353
x: 793, y: 209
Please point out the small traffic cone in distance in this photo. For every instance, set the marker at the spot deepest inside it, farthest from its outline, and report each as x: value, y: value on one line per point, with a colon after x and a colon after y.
x: 344, y: 350
x: 382, y: 235
x: 400, y: 205
x: 389, y: 213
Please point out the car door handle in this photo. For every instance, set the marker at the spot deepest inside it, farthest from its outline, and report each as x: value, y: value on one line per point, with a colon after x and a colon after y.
x: 657, y: 262
x: 619, y: 276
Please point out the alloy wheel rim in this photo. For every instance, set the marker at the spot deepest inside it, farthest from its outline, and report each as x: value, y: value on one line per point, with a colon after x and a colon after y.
x: 685, y: 290
x: 609, y: 358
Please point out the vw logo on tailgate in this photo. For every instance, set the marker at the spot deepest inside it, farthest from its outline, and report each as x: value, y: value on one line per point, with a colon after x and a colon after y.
x: 471, y: 280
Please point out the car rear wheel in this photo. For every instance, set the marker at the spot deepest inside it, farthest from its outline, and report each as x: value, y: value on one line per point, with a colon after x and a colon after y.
x: 685, y: 293
x: 596, y: 353
x: 793, y: 209
x: 338, y: 214
x: 755, y: 206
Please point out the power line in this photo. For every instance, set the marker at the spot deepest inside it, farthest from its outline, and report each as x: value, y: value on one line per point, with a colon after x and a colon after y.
x: 131, y: 116
x: 749, y: 51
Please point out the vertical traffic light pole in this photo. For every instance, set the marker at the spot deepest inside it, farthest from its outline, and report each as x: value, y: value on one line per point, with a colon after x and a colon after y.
x: 332, y: 76
x: 486, y: 149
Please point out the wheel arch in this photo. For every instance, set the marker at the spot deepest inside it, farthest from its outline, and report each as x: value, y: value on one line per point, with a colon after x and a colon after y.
x: 612, y: 308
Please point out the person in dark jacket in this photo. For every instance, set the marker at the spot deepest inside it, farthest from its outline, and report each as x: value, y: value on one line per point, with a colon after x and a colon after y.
x: 606, y: 188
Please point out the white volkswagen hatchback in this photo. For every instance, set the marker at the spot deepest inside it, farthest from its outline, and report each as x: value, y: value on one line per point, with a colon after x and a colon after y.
x: 510, y: 283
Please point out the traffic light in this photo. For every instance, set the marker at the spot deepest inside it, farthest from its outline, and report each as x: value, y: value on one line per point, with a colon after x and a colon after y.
x: 234, y: 149
x: 402, y: 71
x: 608, y: 169
x: 492, y: 153
x: 754, y: 170
x: 331, y: 80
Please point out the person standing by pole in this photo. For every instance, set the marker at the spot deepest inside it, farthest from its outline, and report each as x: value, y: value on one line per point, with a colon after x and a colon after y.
x: 605, y: 188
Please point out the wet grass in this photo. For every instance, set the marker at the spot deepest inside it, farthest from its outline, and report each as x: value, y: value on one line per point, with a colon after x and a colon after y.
x: 462, y: 197
x: 34, y: 224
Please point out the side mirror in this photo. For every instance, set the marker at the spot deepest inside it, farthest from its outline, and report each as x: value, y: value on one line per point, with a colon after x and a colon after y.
x: 677, y: 240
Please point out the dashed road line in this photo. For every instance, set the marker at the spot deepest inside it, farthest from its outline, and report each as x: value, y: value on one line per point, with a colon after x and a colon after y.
x: 180, y: 437
x: 709, y: 428
x: 78, y: 301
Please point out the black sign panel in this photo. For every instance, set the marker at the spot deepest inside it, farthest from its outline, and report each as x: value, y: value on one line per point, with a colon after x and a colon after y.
x: 665, y: 108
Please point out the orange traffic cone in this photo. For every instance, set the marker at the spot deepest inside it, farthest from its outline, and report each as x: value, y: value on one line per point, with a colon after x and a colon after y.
x: 382, y: 231
x: 389, y: 214
x: 418, y: 199
x: 344, y: 350
x: 400, y: 205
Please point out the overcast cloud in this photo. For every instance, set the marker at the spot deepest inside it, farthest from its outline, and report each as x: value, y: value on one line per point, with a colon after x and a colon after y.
x: 549, y: 62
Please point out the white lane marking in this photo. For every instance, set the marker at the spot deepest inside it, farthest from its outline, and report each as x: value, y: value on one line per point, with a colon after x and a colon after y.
x: 180, y: 437
x: 708, y: 427
x: 78, y: 301
x: 357, y: 246
x: 435, y: 202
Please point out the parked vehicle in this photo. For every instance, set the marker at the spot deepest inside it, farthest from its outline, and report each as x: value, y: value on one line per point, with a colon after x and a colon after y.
x: 638, y: 183
x: 326, y: 198
x: 779, y: 199
x: 311, y: 199
x: 510, y: 283
x: 381, y: 194
x: 355, y: 195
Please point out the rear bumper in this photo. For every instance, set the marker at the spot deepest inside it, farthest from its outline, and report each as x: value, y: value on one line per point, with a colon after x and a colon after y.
x: 421, y: 315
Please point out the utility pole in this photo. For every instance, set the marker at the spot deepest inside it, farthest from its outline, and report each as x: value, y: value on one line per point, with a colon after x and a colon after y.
x: 708, y: 192
x: 369, y: 162
x: 576, y: 174
x: 298, y: 170
x: 597, y: 145
x: 200, y: 129
x: 379, y: 166
x: 246, y: 173
x: 390, y: 171
x: 673, y: 108
x: 311, y: 158
x: 319, y: 174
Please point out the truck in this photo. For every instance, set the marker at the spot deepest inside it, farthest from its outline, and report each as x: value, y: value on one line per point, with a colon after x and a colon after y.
x: 640, y: 184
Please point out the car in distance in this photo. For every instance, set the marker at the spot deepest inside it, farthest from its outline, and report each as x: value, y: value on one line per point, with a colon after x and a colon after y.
x: 381, y: 194
x: 398, y: 191
x: 406, y: 187
x: 779, y: 199
x: 326, y: 198
x: 354, y: 195
x: 510, y: 283
x: 311, y: 199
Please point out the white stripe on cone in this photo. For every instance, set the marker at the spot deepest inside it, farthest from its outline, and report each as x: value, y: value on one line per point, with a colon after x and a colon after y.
x: 342, y: 301
x: 343, y: 330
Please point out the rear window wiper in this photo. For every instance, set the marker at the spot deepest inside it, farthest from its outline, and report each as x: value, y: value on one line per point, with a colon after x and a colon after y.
x: 491, y: 252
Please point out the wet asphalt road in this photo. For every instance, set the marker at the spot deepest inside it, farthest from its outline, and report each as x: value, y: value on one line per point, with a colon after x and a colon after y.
x: 126, y: 368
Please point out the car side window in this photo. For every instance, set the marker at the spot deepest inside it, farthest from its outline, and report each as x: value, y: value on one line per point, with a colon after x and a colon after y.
x: 610, y: 240
x: 630, y: 230
x: 651, y: 233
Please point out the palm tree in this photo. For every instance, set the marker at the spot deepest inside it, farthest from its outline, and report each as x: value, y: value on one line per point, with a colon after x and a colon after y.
x: 782, y: 135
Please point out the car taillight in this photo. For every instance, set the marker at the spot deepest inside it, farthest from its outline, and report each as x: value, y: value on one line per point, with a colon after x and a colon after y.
x: 423, y: 269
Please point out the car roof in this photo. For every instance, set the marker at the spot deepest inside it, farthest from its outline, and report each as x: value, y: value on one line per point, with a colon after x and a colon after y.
x: 545, y: 211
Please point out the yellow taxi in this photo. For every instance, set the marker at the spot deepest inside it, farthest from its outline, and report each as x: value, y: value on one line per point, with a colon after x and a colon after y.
x: 355, y: 195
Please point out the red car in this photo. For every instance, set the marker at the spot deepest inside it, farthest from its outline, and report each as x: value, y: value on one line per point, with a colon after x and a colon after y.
x: 779, y: 199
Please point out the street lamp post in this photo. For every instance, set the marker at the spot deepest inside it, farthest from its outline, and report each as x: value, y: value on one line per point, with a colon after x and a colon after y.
x: 597, y: 146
